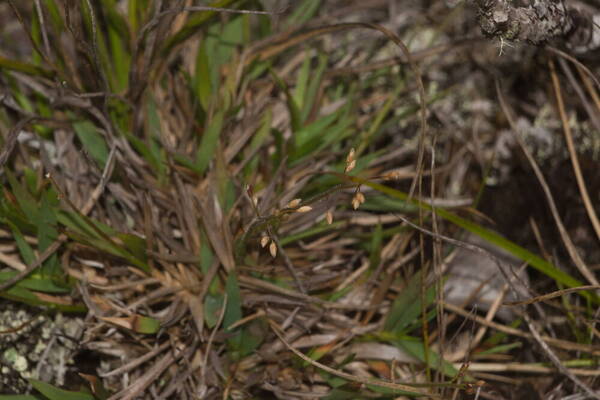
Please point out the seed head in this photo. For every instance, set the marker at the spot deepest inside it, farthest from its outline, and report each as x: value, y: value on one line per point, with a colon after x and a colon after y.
x: 273, y: 249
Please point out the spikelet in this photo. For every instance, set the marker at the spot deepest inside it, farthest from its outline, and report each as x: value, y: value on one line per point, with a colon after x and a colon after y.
x: 294, y: 203
x: 358, y: 199
x: 350, y: 156
x: 329, y: 217
x: 264, y: 241
x: 392, y: 176
x: 350, y: 166
x: 273, y: 249
x: 350, y: 161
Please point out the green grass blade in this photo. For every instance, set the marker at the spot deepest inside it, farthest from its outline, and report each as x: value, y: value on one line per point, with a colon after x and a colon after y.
x: 302, y: 81
x: 415, y: 348
x: 407, y: 307
x: 54, y: 393
x: 202, y: 79
x: 92, y: 141
x: 209, y: 142
x: 35, y: 282
x: 25, y: 68
x: 310, y: 96
x: 303, y: 13
x: 195, y: 22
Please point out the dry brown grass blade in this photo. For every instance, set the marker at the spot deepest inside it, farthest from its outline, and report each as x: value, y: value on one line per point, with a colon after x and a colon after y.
x: 525, y: 368
x: 366, y: 381
x: 563, y: 344
x: 552, y: 295
x: 589, y: 87
x: 576, y: 62
x: 144, y: 381
x: 573, y: 253
x: 211, y: 339
x: 138, y: 361
x: 571, y: 146
x: 11, y: 140
x: 255, y: 283
x: 589, y: 109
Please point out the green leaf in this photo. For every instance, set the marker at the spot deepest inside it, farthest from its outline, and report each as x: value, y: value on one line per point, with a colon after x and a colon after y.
x: 252, y: 336
x: 54, y: 393
x: 25, y: 200
x: 146, y: 151
x: 20, y: 294
x: 258, y: 140
x: 302, y: 82
x: 233, y: 312
x: 47, y: 234
x: 24, y: 248
x: 313, y: 87
x: 99, y: 235
x: 415, y: 348
x: 92, y: 141
x: 146, y: 325
x: 212, y: 308
x: 35, y: 282
x: 500, y: 349
x: 202, y: 78
x: 26, y: 68
x: 406, y: 308
x: 315, y: 130
x: 193, y: 25
x: 135, y: 245
x: 303, y: 13
x: 209, y: 142
x: 118, y: 37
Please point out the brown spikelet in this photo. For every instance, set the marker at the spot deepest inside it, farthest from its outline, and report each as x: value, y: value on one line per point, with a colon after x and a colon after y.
x: 329, y: 217
x: 294, y: 203
x: 264, y: 241
x: 273, y: 249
